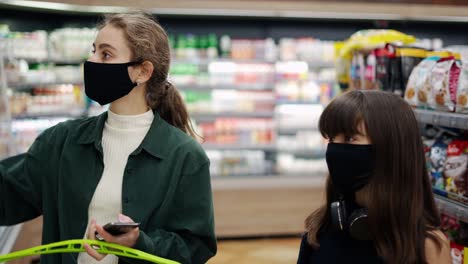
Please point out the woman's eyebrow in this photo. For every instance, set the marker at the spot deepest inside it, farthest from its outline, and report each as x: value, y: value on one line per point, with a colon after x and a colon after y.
x: 104, y: 46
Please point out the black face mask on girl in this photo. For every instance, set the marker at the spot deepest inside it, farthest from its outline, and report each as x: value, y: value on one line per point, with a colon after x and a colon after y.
x: 350, y: 166
x: 107, y: 82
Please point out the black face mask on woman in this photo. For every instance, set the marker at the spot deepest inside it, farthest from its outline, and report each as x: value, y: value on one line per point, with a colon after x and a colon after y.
x: 107, y: 82
x: 350, y: 168
x: 350, y: 165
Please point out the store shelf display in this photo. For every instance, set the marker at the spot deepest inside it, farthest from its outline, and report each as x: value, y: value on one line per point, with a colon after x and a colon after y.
x: 435, y: 84
x: 289, y: 164
x: 445, y: 119
x: 302, y: 144
x: 232, y: 89
x: 231, y: 103
x: 61, y: 46
x: 239, y: 163
x: 21, y: 75
x: 262, y: 147
x: 208, y: 88
x: 61, y: 100
x: 452, y: 208
x: 24, y: 132
x: 294, y: 118
x: 238, y: 133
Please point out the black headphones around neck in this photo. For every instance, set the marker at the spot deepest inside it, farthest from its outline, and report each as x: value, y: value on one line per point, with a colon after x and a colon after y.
x: 355, y: 224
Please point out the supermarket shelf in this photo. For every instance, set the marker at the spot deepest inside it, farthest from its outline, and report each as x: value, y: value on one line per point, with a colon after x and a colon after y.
x: 54, y: 61
x: 267, y: 182
x: 445, y: 119
x: 208, y: 61
x: 239, y: 147
x: 297, y: 102
x: 452, y: 208
x: 321, y: 64
x: 25, y: 86
x: 312, y: 64
x: 209, y: 88
x: 48, y: 115
x: 213, y: 116
x: 307, y: 154
x: 294, y: 130
x: 294, y: 9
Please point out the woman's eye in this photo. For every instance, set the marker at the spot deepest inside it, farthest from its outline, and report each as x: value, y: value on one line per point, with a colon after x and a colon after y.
x: 106, y: 55
x: 349, y: 139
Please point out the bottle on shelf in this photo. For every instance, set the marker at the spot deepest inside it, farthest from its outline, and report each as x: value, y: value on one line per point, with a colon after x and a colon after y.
x: 212, y: 51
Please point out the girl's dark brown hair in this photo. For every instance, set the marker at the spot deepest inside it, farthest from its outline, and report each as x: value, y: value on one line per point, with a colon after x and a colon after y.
x: 402, y: 212
x: 149, y: 42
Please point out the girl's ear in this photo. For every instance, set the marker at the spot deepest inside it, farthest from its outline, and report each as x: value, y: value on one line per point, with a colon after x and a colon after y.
x: 146, y: 71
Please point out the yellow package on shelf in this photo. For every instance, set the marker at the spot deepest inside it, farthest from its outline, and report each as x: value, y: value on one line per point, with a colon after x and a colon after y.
x: 370, y: 39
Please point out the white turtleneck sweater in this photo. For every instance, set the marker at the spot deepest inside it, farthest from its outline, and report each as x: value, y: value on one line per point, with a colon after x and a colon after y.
x: 120, y: 137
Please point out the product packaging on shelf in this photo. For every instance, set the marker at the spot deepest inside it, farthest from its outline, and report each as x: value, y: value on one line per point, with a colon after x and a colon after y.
x: 457, y: 232
x: 462, y: 93
x: 362, y: 43
x: 238, y: 131
x: 410, y: 58
x: 49, y: 100
x: 383, y: 57
x: 239, y: 163
x: 290, y: 164
x: 447, y: 161
x: 24, y: 132
x: 456, y: 168
x: 444, y: 83
x: 438, y: 157
x: 418, y: 89
x: 71, y: 43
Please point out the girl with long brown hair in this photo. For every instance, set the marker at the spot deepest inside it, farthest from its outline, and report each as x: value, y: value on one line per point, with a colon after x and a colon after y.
x: 138, y: 162
x: 379, y: 203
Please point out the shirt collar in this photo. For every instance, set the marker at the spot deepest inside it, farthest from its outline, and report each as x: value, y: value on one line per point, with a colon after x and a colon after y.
x: 155, y: 142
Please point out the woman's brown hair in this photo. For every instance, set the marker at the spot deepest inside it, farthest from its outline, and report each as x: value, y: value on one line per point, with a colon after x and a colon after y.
x: 402, y: 212
x: 148, y: 41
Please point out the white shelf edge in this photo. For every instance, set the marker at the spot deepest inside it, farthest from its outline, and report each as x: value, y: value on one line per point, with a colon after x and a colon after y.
x: 198, y: 115
x: 239, y: 147
x: 208, y: 88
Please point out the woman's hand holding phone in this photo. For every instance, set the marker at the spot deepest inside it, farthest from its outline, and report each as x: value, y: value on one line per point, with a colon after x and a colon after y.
x: 127, y: 239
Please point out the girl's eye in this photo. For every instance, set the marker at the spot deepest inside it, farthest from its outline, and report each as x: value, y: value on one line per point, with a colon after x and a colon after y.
x: 106, y: 55
x: 349, y: 139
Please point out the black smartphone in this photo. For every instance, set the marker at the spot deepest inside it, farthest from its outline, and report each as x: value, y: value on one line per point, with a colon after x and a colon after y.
x: 118, y: 228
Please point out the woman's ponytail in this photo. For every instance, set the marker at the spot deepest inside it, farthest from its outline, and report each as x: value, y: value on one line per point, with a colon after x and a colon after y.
x: 168, y: 102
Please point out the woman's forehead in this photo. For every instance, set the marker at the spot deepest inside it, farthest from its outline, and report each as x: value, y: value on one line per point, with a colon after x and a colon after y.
x: 110, y: 36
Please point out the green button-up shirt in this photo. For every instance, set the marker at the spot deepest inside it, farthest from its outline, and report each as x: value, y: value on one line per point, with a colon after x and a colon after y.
x: 166, y: 187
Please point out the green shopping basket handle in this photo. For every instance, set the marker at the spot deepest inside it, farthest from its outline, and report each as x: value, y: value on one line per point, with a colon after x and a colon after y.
x: 77, y: 245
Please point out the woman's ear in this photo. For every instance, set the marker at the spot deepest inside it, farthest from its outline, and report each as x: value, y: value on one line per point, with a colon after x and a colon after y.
x: 146, y: 71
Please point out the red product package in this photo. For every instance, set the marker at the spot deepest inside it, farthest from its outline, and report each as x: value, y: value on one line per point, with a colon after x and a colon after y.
x: 456, y: 168
x: 458, y: 253
x: 444, y: 80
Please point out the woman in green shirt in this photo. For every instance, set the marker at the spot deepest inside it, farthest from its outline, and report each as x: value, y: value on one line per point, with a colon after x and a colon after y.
x: 137, y: 162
